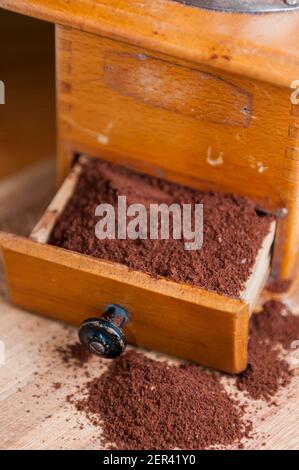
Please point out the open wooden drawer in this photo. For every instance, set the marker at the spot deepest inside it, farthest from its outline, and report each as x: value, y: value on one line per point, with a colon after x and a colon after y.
x: 178, y: 319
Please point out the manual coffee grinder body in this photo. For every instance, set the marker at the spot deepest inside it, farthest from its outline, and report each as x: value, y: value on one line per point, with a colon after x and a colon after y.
x: 200, y: 92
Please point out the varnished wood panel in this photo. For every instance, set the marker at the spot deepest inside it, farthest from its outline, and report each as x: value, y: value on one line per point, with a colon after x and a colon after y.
x: 178, y: 120
x: 257, y: 46
x: 177, y: 319
x: 118, y: 101
x: 176, y: 88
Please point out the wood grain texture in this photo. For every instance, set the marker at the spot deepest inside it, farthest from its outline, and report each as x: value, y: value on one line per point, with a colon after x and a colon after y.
x: 27, y: 119
x: 177, y: 319
x: 176, y: 88
x: 119, y: 102
x: 262, y: 47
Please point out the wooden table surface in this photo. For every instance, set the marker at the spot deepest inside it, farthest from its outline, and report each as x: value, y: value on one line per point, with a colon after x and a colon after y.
x: 35, y: 415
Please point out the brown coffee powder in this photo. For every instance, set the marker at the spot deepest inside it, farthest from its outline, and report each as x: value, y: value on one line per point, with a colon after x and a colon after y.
x: 267, y: 371
x: 276, y: 324
x: 144, y: 404
x: 233, y: 229
x: 74, y: 354
x: 278, y: 285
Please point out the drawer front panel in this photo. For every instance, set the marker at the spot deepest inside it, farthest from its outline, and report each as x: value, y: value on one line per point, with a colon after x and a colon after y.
x: 172, y: 118
x: 164, y: 316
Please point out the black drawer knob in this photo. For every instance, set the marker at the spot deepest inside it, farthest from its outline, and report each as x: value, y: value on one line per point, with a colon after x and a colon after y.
x: 104, y: 336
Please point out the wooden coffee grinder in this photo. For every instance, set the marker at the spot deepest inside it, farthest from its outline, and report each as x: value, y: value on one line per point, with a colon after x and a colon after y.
x: 203, y: 92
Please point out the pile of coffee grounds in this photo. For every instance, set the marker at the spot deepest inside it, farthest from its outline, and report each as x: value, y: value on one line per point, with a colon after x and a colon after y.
x: 140, y: 403
x: 271, y: 330
x: 57, y: 385
x: 145, y: 404
x: 277, y: 324
x: 233, y: 230
x: 279, y: 285
x: 74, y: 354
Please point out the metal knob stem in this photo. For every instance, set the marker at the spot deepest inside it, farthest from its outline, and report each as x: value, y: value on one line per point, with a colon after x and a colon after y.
x: 104, y: 336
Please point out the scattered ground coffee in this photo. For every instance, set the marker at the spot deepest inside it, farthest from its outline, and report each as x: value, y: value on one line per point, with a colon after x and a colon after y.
x: 74, y: 354
x: 267, y: 371
x: 233, y: 229
x: 57, y: 385
x: 278, y: 286
x: 144, y: 404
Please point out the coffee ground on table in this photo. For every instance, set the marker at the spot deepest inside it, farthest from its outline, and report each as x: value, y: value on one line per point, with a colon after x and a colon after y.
x: 270, y: 330
x: 140, y: 403
x: 74, y: 354
x: 278, y: 286
x: 233, y: 230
